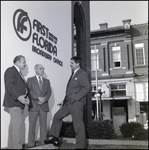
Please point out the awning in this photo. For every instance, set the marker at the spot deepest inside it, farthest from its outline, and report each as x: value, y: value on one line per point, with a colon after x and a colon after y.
x: 114, y: 98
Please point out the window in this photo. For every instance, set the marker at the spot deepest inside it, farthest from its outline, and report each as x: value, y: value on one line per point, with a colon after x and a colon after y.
x: 128, y: 56
x: 118, y: 89
x: 74, y: 29
x: 75, y: 51
x: 139, y: 54
x: 142, y: 92
x: 93, y: 90
x: 104, y: 59
x: 116, y: 56
x: 94, y: 58
x: 144, y: 108
x: 75, y: 41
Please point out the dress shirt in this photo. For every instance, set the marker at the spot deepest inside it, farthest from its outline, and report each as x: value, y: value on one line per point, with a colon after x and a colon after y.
x: 40, y: 78
x: 75, y: 71
x: 20, y: 73
x: 17, y: 68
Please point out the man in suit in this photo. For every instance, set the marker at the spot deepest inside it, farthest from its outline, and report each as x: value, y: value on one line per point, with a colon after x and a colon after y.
x: 15, y: 99
x: 77, y: 88
x: 40, y: 92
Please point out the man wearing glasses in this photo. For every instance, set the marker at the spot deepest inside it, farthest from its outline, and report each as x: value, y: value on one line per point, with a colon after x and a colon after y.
x: 39, y: 92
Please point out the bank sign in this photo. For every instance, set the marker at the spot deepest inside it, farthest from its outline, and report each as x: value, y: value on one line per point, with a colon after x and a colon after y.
x: 44, y: 43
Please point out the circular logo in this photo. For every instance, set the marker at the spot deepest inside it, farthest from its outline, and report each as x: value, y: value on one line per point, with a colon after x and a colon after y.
x: 22, y: 24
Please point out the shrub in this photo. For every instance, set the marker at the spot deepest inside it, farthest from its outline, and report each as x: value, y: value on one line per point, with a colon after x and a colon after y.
x: 67, y: 130
x: 104, y: 130
x: 141, y: 134
x: 127, y: 129
x: 100, y: 130
x: 94, y: 130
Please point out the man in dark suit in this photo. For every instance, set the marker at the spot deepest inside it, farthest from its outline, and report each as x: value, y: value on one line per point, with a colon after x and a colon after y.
x: 40, y: 92
x: 77, y: 88
x: 15, y: 99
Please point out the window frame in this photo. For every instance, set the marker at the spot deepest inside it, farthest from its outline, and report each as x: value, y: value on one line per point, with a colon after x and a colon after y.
x: 93, y: 59
x: 116, y: 49
x: 141, y: 47
x: 118, y: 89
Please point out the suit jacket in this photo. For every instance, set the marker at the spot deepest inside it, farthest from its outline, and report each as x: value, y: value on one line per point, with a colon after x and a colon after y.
x: 14, y: 87
x: 35, y: 92
x: 77, y: 88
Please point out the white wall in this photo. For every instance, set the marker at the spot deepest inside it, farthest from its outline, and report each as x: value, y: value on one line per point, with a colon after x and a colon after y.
x: 56, y: 17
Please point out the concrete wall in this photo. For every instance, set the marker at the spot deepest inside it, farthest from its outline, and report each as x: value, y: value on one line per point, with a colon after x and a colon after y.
x: 55, y: 16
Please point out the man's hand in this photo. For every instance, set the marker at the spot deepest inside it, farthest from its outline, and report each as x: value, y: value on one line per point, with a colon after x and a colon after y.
x: 27, y: 101
x: 41, y: 100
x: 23, y: 100
x: 60, y: 104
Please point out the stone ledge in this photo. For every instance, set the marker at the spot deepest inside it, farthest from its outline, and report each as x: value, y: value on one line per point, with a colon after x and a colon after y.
x: 111, y: 142
x: 48, y: 146
x: 97, y: 142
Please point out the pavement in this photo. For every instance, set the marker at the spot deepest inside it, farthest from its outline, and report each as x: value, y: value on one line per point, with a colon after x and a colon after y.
x: 69, y: 143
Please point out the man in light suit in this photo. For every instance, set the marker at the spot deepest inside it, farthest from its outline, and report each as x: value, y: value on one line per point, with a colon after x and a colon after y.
x: 15, y: 99
x: 77, y: 88
x: 39, y: 95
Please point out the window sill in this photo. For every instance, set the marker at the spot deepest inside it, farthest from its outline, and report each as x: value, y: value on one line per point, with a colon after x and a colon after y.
x: 140, y: 66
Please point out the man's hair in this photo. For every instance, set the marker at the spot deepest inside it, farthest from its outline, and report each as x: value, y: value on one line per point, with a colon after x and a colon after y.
x: 17, y: 58
x: 36, y: 66
x: 76, y: 59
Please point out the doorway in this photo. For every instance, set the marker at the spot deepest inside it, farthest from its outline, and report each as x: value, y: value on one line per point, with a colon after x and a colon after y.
x: 119, y: 113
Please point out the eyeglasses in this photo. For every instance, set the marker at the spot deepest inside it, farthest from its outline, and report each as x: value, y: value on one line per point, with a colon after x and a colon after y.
x: 41, y: 68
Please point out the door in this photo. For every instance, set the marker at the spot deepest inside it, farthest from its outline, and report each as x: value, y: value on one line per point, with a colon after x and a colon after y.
x: 119, y: 117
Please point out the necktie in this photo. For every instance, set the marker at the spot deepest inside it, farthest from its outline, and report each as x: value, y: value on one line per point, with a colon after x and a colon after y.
x: 40, y: 83
x: 70, y: 77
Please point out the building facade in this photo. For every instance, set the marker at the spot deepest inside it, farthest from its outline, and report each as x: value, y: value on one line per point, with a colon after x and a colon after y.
x: 140, y: 61
x: 119, y: 69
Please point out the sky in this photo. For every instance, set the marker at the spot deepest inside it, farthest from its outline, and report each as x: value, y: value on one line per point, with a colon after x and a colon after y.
x: 113, y: 12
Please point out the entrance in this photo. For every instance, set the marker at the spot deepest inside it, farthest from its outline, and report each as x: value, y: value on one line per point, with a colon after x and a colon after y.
x: 119, y: 113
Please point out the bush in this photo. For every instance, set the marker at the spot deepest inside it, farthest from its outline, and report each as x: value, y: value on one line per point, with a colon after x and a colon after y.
x: 104, y: 130
x: 127, y: 129
x: 141, y: 134
x: 67, y: 130
x: 94, y: 130
x: 100, y: 130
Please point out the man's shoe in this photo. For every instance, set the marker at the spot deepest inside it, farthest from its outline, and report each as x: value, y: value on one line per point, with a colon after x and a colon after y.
x: 52, y: 141
x: 30, y: 146
x: 38, y: 143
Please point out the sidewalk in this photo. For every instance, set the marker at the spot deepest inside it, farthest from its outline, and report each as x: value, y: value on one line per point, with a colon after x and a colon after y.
x: 69, y: 143
x: 111, y: 142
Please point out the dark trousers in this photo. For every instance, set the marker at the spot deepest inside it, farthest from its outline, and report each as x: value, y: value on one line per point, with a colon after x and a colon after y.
x: 76, y: 111
x: 33, y: 116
